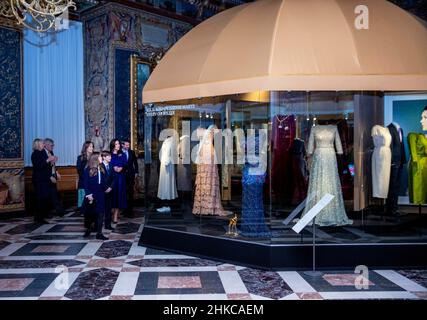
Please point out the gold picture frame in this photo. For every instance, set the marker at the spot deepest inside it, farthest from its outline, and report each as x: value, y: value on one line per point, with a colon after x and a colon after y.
x: 140, y: 71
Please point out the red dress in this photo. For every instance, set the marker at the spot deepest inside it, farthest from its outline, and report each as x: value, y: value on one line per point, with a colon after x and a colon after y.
x: 283, y: 135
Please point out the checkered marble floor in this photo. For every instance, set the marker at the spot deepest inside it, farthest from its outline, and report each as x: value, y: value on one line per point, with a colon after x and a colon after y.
x: 54, y: 261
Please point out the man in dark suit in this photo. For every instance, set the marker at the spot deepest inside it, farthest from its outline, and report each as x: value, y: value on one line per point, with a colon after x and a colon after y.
x: 398, y: 159
x: 109, y: 185
x: 131, y: 174
x: 53, y: 176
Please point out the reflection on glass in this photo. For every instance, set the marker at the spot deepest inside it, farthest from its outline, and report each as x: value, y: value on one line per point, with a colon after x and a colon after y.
x: 207, y: 194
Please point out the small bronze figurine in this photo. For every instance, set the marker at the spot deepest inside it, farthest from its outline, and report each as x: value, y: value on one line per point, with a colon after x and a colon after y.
x: 232, y: 227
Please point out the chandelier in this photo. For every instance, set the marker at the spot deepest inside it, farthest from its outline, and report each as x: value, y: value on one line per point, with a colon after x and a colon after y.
x: 37, y: 15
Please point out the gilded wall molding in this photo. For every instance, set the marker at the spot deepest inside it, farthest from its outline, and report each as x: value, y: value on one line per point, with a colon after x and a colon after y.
x: 11, y: 164
x: 10, y: 23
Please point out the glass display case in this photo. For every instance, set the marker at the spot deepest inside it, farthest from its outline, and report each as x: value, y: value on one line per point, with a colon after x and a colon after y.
x: 245, y: 168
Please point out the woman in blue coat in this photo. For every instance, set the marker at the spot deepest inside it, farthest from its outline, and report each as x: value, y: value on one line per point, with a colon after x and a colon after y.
x: 94, y: 204
x: 119, y: 163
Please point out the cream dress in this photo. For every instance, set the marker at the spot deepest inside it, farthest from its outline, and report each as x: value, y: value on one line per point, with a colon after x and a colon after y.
x: 167, y: 183
x: 381, y: 161
x: 324, y: 177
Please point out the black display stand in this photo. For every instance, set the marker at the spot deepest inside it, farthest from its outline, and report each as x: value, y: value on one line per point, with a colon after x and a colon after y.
x: 286, y: 256
x: 314, y: 272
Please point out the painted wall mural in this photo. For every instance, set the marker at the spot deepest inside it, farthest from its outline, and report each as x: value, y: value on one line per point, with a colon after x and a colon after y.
x: 110, y: 28
x: 12, y: 187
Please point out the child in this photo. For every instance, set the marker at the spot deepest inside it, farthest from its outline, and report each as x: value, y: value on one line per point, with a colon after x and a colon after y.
x: 94, y: 203
x: 109, y: 185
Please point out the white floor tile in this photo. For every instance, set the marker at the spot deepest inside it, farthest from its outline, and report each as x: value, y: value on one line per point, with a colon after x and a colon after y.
x: 256, y: 297
x: 60, y: 285
x: 182, y: 297
x: 28, y: 270
x: 125, y: 284
x: 296, y: 282
x: 43, y: 229
x: 232, y: 282
x: 401, y: 281
x: 178, y: 269
x: 7, y: 227
x: 60, y: 241
x: 137, y: 250
x: 40, y: 258
x: 21, y: 298
x: 90, y: 249
x: 10, y: 249
x: 156, y: 297
x: 368, y: 295
x: 292, y: 296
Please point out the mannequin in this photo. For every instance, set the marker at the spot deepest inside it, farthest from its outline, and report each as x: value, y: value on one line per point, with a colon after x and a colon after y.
x: 207, y: 197
x: 167, y: 184
x: 398, y: 159
x: 381, y: 161
x: 282, y: 135
x: 253, y: 221
x: 324, y: 177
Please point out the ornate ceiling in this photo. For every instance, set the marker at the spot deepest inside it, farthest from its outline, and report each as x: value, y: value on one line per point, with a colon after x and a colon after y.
x: 83, y: 5
x: 197, y: 9
x: 203, y: 9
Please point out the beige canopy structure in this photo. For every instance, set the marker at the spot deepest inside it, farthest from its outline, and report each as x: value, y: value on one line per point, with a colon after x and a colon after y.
x: 295, y: 45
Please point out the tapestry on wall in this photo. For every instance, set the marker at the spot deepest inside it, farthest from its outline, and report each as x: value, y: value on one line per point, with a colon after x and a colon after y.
x: 11, y: 156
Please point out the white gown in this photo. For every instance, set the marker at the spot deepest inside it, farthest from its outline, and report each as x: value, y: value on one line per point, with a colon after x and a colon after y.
x: 324, y: 176
x: 381, y: 161
x: 167, y: 182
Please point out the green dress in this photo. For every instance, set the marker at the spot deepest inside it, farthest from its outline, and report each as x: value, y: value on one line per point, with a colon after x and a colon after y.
x: 418, y: 168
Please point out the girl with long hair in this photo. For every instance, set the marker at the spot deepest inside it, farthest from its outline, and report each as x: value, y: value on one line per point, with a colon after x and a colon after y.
x: 94, y: 204
x: 82, y: 159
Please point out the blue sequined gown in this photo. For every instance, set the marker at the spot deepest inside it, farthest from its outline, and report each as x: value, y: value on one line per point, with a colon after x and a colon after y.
x: 253, y: 221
